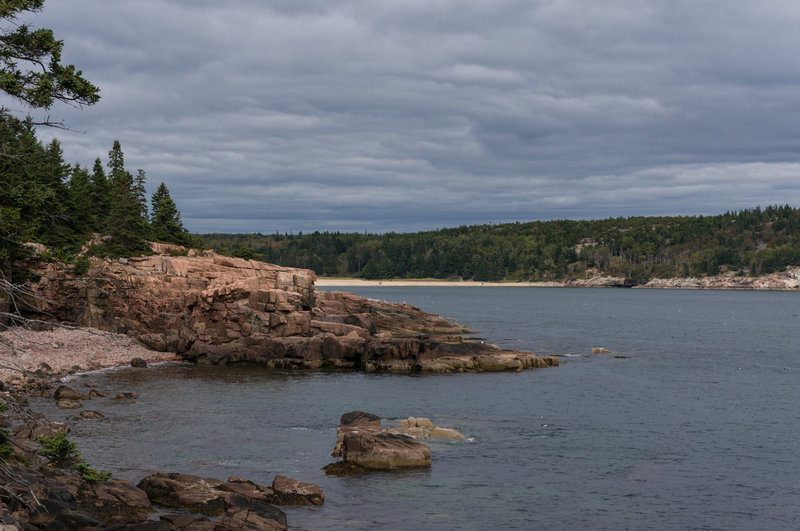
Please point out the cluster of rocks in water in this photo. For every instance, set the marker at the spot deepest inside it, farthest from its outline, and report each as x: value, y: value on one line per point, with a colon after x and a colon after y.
x: 364, y: 445
x: 35, y: 494
x: 215, y: 309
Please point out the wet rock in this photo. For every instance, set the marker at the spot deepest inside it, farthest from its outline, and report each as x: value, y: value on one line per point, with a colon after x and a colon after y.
x: 423, y: 428
x: 193, y: 493
x: 259, y: 516
x: 90, y: 414
x: 139, y: 363
x: 239, y: 503
x: 66, y: 403
x: 126, y: 395
x: 189, y: 522
x: 68, y: 393
x: 94, y: 393
x: 289, y: 491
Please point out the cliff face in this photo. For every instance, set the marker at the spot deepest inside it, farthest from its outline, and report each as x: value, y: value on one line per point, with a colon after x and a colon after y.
x: 214, y: 309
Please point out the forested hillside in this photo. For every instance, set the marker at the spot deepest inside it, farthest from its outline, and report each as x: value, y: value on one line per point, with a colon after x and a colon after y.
x: 750, y: 242
x: 45, y: 200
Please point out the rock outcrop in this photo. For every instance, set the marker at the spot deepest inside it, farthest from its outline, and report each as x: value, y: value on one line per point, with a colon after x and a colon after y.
x: 219, y: 310
x: 789, y: 279
x: 423, y: 428
x: 361, y: 442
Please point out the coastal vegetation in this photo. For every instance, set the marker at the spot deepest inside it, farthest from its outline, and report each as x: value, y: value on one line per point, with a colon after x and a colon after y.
x: 749, y: 242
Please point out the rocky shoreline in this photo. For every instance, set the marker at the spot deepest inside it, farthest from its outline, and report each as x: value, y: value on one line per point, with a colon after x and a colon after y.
x: 213, y: 309
x: 45, y: 485
x: 208, y: 309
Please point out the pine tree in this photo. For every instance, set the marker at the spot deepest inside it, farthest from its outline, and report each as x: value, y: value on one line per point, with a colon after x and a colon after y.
x: 165, y: 220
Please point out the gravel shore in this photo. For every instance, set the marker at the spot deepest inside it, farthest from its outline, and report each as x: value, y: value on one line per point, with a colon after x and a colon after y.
x: 69, y: 350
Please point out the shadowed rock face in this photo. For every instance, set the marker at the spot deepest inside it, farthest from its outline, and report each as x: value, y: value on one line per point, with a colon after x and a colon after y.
x: 219, y: 310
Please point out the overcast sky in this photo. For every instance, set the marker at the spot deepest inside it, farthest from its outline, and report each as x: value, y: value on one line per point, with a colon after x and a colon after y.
x: 403, y: 115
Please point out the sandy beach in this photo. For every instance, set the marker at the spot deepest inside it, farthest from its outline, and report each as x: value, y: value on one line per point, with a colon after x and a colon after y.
x: 355, y: 282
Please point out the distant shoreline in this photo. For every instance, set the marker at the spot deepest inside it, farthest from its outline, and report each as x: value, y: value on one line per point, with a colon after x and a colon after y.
x: 788, y: 280
x: 355, y: 282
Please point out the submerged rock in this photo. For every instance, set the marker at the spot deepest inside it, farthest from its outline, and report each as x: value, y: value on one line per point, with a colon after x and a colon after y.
x: 66, y: 403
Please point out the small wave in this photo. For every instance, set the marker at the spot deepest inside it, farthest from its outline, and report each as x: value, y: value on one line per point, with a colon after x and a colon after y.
x: 116, y: 368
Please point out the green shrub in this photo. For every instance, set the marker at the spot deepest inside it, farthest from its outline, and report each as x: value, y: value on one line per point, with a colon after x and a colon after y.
x: 91, y: 475
x: 59, y: 450
x: 81, y: 265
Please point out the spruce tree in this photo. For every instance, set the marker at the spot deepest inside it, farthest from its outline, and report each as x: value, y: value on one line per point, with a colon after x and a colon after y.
x: 127, y: 220
x: 80, y: 201
x: 165, y: 220
x: 100, y: 197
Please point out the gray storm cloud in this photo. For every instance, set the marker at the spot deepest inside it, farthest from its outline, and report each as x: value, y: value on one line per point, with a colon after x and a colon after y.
x: 379, y: 116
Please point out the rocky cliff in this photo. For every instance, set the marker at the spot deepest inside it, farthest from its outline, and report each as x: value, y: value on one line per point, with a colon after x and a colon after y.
x: 214, y: 309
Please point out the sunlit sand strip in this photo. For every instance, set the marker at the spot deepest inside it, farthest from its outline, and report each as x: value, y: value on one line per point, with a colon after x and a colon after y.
x: 355, y: 282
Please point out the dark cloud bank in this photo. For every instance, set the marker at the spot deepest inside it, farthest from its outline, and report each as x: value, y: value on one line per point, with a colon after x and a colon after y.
x: 379, y: 116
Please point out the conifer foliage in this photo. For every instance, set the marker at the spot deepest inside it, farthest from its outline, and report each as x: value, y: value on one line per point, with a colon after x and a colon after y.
x: 165, y: 220
x: 30, y: 63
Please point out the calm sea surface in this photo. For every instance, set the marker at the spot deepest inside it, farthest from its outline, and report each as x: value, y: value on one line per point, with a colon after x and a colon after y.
x: 692, y: 423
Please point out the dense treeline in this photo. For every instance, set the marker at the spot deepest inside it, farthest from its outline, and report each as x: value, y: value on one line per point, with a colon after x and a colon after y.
x: 45, y: 200
x: 751, y: 242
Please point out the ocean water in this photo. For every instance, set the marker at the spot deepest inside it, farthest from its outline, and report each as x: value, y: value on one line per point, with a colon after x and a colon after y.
x: 692, y: 423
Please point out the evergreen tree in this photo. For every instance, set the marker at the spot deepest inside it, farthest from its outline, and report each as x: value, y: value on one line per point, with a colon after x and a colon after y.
x: 127, y: 220
x: 100, y: 196
x: 80, y: 202
x: 165, y: 220
x: 30, y: 63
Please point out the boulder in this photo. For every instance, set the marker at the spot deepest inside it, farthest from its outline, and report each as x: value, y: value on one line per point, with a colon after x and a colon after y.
x: 260, y: 516
x: 66, y: 403
x: 90, y: 414
x: 68, y: 393
x: 422, y: 428
x: 361, y: 442
x: 288, y: 491
x: 193, y: 493
x: 127, y: 395
x: 237, y: 500
x: 139, y: 363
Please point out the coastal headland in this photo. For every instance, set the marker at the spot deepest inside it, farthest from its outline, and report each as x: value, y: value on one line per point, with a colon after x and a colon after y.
x: 213, y: 309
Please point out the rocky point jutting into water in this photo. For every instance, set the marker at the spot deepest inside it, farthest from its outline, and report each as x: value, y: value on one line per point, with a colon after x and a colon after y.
x: 218, y: 310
